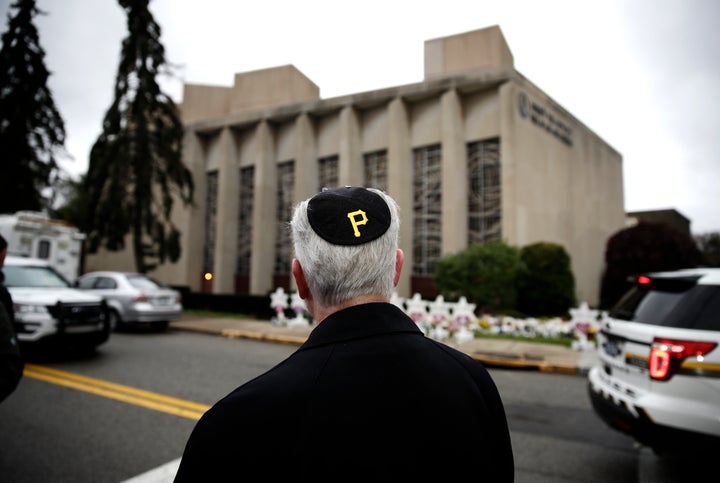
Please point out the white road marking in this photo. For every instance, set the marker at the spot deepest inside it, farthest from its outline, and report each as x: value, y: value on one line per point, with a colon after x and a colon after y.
x: 162, y: 474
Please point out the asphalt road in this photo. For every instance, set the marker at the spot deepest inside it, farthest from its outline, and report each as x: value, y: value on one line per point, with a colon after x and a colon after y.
x: 129, y: 408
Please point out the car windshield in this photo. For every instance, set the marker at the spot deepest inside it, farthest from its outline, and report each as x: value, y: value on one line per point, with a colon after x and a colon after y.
x: 33, y: 276
x: 142, y: 282
x: 695, y: 308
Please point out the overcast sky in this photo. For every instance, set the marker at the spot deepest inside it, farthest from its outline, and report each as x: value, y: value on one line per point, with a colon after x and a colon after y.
x: 642, y: 74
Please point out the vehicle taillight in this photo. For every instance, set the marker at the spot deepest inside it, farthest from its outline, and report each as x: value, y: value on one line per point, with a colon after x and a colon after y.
x: 140, y: 298
x: 643, y: 280
x: 667, y: 355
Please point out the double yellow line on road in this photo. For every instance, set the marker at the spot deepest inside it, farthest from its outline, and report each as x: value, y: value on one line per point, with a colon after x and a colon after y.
x: 127, y: 394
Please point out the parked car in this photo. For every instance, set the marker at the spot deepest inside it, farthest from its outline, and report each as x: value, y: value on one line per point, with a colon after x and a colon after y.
x: 48, y: 310
x: 658, y: 377
x: 133, y: 298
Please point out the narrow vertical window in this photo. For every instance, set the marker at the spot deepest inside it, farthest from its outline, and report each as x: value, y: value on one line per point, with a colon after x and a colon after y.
x: 245, y: 228
x: 376, y: 170
x: 427, y: 199
x: 283, y: 245
x: 328, y: 172
x: 211, y: 195
x: 484, y: 209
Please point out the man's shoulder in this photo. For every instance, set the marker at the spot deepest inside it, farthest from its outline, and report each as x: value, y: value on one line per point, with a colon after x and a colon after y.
x: 268, y: 393
x: 464, y: 359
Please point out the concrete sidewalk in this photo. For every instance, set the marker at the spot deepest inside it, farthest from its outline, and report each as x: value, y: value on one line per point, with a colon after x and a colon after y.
x: 491, y: 352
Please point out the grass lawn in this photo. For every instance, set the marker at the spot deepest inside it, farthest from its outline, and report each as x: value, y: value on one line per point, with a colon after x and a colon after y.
x: 564, y: 341
x: 219, y: 315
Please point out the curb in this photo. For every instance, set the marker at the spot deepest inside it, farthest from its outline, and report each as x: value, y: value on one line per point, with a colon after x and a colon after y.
x: 248, y: 334
x: 505, y: 360
x: 515, y: 362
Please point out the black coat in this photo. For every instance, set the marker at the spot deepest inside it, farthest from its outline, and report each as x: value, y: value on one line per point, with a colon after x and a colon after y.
x: 11, y: 361
x: 6, y: 298
x: 367, y: 398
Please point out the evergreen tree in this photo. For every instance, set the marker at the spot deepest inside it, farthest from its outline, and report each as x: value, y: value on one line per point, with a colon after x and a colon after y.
x: 645, y: 247
x: 136, y: 167
x: 709, y: 246
x: 32, y: 133
x: 73, y: 206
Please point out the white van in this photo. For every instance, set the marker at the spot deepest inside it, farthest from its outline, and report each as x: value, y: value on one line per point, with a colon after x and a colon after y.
x: 36, y: 235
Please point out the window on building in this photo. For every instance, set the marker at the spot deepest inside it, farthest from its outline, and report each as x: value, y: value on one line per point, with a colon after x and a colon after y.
x: 427, y: 198
x: 245, y: 211
x: 328, y: 171
x: 484, y: 210
x: 376, y: 170
x: 283, y: 243
x: 211, y: 195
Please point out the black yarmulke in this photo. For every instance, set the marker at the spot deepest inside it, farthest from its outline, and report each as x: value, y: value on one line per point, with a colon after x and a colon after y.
x: 348, y: 215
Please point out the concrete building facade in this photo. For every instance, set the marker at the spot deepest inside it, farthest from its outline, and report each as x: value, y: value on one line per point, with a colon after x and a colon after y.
x: 474, y: 152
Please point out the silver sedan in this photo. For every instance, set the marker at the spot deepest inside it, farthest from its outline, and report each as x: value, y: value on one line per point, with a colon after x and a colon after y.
x: 134, y: 298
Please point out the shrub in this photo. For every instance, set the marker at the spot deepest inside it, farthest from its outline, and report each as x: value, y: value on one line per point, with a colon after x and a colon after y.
x: 547, y: 288
x: 486, y: 274
x: 257, y: 306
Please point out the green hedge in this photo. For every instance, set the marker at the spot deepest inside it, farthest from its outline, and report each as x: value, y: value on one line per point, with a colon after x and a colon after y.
x: 257, y: 306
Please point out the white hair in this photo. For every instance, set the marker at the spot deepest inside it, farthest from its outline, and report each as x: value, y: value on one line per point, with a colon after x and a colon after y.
x: 338, y: 273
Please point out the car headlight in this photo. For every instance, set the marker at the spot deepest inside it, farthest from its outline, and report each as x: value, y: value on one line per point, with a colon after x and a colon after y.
x: 30, y: 309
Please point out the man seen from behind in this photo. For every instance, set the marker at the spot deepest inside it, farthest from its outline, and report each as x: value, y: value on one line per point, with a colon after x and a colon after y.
x: 367, y: 397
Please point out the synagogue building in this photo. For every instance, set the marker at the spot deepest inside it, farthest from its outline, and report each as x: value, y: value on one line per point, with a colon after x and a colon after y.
x: 473, y: 152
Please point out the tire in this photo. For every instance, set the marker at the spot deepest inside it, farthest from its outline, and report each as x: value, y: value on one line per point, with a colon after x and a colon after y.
x: 114, y: 320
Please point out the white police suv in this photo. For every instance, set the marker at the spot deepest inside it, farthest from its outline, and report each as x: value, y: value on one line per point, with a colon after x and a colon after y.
x: 658, y: 377
x: 49, y: 311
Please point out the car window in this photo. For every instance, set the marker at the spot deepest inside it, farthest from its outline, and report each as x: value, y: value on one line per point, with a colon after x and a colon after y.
x: 86, y: 282
x: 699, y: 309
x: 142, y: 282
x: 695, y: 308
x: 105, y: 283
x: 33, y: 276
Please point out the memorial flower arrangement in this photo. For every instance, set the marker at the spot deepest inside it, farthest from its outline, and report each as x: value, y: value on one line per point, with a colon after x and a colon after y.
x: 456, y: 322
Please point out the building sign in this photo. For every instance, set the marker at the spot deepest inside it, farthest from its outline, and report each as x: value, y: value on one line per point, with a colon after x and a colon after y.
x: 544, y: 119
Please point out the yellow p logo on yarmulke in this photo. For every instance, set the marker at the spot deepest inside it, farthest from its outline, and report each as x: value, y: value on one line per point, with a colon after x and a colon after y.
x: 355, y: 223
